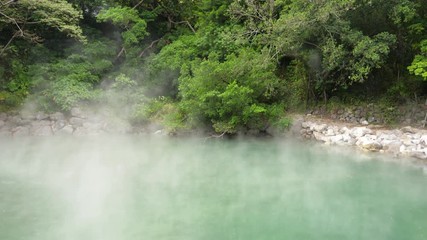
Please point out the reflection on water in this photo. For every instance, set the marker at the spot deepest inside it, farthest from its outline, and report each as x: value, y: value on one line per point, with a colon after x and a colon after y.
x: 123, y: 188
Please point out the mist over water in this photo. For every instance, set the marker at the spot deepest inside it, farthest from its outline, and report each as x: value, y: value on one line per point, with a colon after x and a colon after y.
x: 132, y: 187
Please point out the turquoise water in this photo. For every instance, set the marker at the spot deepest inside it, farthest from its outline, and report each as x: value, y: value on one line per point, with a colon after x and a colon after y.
x: 130, y: 188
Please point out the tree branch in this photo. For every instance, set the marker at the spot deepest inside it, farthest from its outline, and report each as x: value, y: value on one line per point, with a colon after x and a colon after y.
x: 14, y: 21
x: 137, y: 5
x: 7, y: 3
x: 150, y: 46
x: 123, y: 50
x: 8, y: 43
x: 186, y: 22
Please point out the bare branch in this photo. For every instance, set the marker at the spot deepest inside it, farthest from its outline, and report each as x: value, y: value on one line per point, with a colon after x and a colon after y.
x: 150, y: 46
x: 123, y: 50
x: 7, y: 3
x: 14, y: 21
x: 137, y: 5
x: 8, y: 43
x: 215, y: 136
x: 186, y: 22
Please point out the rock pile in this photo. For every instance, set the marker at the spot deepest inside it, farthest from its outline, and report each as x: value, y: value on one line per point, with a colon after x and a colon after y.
x: 406, y: 141
x: 42, y: 124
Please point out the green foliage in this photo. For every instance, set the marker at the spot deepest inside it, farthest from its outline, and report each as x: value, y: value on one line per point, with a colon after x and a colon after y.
x: 296, y: 77
x: 122, y: 97
x: 337, y: 55
x: 65, y: 82
x: 368, y: 54
x: 134, y: 27
x: 14, y: 92
x: 230, y: 94
x: 419, y: 64
x: 68, y: 91
x: 160, y: 110
x: 56, y: 15
x: 227, y: 64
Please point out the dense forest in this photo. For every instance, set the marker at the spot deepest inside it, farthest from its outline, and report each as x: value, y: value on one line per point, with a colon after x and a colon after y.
x: 219, y: 63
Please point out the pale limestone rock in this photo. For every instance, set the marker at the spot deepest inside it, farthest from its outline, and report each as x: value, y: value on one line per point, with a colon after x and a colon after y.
x: 337, y: 139
x: 320, y: 128
x: 66, y: 130
x: 360, y: 131
x: 20, y: 131
x: 42, y: 130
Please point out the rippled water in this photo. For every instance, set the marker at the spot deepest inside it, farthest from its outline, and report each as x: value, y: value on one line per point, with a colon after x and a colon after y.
x: 130, y: 188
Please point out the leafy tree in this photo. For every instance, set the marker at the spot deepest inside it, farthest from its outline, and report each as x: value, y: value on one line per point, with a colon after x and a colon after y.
x: 230, y: 94
x: 133, y: 27
x: 419, y: 65
x: 320, y: 34
x: 23, y: 18
x: 65, y: 82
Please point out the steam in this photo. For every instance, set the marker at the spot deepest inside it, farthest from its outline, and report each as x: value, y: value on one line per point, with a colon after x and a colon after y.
x: 130, y: 187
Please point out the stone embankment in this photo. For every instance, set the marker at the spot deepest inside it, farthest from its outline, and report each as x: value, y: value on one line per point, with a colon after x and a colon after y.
x: 42, y: 124
x: 405, y: 141
x: 411, y: 114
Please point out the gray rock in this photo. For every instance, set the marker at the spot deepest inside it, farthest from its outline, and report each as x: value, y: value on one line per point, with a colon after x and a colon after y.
x: 386, y: 136
x: 392, y: 146
x: 337, y: 139
x: 406, y: 140
x: 319, y: 136
x: 27, y: 115
x: 408, y: 129
x: 345, y: 130
x: 41, y: 123
x: 76, y: 121
x: 320, y: 128
x: 66, y: 130
x: 370, y: 145
x: 305, y: 124
x: 41, y: 130
x: 364, y: 122
x: 81, y: 131
x: 423, y: 140
x: 57, y: 116
x: 360, y: 131
x: 3, y: 116
x: 41, y: 116
x: 418, y: 154
x: 330, y: 132
x: 58, y: 125
x: 2, y: 123
x: 16, y: 121
x: 407, y: 121
x: 77, y: 112
x: 346, y: 137
x: 20, y: 131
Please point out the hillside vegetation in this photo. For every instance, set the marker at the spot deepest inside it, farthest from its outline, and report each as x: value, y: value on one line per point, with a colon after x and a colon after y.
x: 225, y: 64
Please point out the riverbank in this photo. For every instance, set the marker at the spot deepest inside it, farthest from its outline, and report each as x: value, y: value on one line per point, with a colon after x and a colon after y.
x: 404, y: 141
x: 76, y: 123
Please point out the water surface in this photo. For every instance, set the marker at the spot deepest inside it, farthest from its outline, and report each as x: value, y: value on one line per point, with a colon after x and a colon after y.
x: 130, y: 188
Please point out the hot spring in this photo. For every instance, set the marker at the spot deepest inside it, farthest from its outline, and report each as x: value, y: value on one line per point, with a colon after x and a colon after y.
x: 133, y: 187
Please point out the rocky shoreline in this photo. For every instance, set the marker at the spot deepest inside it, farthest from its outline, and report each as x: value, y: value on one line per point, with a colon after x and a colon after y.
x: 77, y: 123
x: 400, y: 142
